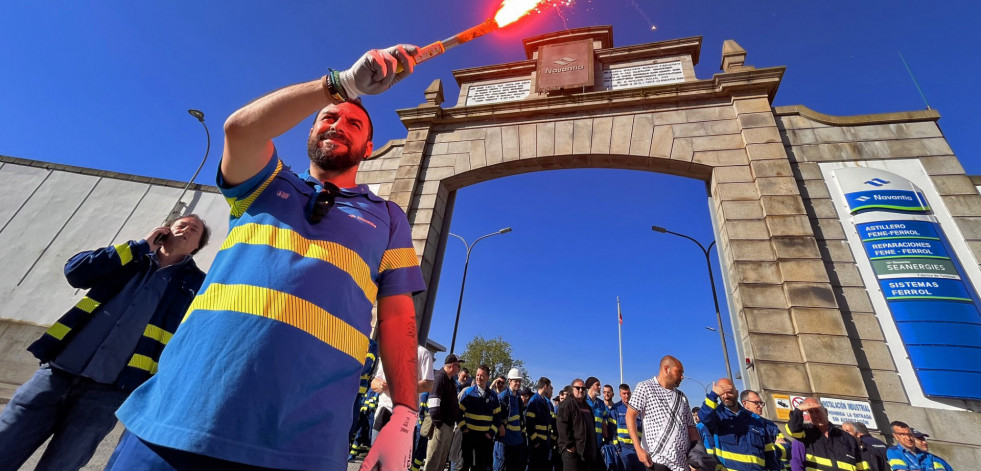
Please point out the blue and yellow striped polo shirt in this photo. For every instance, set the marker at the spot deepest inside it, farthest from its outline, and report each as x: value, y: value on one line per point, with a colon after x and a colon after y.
x: 266, y: 364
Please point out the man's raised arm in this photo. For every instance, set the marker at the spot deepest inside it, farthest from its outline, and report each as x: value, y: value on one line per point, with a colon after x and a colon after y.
x: 249, y: 131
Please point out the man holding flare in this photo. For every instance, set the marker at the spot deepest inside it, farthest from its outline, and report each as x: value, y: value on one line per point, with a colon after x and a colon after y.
x: 263, y: 370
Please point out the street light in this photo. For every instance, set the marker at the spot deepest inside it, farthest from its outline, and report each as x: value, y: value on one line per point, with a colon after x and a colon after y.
x: 713, y: 329
x: 176, y: 210
x: 463, y: 283
x: 715, y: 297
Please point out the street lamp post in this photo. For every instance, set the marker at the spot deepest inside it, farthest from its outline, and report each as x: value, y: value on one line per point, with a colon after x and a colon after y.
x: 179, y: 205
x: 715, y: 297
x: 463, y: 284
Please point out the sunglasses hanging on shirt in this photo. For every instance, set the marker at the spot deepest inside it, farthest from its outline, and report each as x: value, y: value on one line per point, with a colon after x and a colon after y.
x: 323, y: 202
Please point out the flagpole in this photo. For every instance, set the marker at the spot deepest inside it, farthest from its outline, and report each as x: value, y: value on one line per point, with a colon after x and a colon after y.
x: 620, y: 336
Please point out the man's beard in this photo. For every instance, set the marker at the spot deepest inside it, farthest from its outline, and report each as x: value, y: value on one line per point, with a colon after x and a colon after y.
x: 328, y: 158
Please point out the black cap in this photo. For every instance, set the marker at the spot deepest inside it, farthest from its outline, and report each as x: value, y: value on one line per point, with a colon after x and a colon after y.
x: 526, y: 391
x: 452, y: 358
x: 590, y: 381
x: 917, y: 434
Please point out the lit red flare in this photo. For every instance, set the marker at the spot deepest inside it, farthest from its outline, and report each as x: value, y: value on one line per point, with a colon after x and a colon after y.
x: 510, y: 11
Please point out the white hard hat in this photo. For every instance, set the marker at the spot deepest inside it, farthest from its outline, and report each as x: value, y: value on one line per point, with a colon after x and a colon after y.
x: 514, y: 374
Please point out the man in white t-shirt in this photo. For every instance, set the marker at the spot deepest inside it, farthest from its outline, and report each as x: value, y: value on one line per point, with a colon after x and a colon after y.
x: 669, y: 428
x: 379, y: 385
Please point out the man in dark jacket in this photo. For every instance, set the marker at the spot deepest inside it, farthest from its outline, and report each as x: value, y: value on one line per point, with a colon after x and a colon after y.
x: 873, y: 449
x: 823, y: 442
x: 103, y: 347
x: 444, y: 409
x: 577, y: 440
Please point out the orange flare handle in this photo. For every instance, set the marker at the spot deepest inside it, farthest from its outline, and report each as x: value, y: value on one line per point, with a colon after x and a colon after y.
x: 439, y: 47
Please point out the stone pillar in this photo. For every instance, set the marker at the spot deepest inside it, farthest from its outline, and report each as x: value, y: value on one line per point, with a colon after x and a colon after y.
x: 790, y: 323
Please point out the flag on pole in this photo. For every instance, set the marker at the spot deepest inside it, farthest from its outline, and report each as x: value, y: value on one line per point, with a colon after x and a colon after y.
x: 620, y: 316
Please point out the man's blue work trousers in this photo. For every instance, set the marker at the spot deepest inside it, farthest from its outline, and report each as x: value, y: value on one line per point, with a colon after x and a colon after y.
x: 76, y: 412
x: 628, y: 456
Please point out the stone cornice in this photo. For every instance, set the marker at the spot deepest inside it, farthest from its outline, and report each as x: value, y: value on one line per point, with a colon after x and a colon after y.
x: 107, y: 174
x: 723, y: 85
x: 857, y: 120
x: 677, y: 47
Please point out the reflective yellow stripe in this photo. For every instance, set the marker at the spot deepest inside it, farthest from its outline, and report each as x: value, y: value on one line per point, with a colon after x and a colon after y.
x: 287, y: 308
x: 937, y: 465
x: 795, y: 435
x: 485, y: 418
x: 124, y: 252
x: 240, y: 206
x: 537, y: 435
x: 768, y: 447
x: 513, y: 418
x: 710, y: 403
x: 58, y: 330
x: 478, y: 428
x: 740, y: 457
x: 845, y: 466
x: 394, y: 259
x: 514, y: 428
x: 530, y: 414
x: 286, y: 239
x: 862, y: 465
x: 819, y: 460
x: 541, y: 427
x: 87, y: 304
x: 158, y: 334
x: 143, y: 362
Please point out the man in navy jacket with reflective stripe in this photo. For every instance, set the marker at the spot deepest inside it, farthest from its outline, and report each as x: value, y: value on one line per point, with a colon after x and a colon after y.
x: 103, y: 347
x: 740, y: 440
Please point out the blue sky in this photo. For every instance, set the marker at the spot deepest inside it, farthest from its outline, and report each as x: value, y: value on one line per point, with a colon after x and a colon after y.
x: 107, y: 85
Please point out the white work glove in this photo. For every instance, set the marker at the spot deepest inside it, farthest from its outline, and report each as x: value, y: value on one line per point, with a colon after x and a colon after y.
x: 392, y: 450
x: 377, y: 70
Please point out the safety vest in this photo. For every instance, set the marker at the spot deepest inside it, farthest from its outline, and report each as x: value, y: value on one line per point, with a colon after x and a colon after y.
x: 601, y: 419
x: 479, y: 413
x: 619, y: 411
x: 514, y: 433
x: 538, y: 421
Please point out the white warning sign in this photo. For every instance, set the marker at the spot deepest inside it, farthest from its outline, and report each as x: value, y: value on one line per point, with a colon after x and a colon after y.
x: 843, y: 410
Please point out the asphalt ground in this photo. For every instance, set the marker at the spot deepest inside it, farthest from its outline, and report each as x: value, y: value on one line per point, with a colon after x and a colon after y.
x: 102, y: 454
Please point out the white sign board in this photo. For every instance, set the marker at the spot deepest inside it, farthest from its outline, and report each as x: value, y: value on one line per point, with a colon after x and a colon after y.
x: 643, y: 75
x: 843, y: 410
x: 498, y: 92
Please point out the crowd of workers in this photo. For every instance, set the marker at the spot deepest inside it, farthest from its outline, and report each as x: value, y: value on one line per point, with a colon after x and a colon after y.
x: 469, y: 421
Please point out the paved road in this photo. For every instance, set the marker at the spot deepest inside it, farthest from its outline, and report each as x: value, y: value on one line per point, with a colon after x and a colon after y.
x: 102, y: 454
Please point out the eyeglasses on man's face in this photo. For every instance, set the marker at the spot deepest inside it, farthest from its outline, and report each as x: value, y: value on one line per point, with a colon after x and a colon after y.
x: 758, y: 403
x: 579, y: 388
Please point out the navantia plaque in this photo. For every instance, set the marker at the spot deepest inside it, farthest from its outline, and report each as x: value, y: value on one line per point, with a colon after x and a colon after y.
x: 565, y: 65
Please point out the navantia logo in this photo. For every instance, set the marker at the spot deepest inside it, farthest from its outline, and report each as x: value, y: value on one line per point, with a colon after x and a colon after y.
x: 564, y: 61
x: 877, y: 182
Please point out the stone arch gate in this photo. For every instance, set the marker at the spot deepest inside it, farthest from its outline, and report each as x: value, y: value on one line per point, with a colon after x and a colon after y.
x: 800, y: 308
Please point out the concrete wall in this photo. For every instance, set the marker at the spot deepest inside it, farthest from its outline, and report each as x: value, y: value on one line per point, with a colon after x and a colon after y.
x: 50, y: 212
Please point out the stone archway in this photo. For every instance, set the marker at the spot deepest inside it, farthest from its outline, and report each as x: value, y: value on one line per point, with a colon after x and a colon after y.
x: 721, y: 131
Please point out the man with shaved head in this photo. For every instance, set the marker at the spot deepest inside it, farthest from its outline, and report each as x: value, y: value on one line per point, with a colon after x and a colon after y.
x: 669, y: 430
x: 740, y: 439
x: 823, y: 442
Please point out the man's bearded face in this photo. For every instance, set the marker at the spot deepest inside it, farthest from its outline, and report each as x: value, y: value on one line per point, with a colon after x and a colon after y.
x: 339, y: 138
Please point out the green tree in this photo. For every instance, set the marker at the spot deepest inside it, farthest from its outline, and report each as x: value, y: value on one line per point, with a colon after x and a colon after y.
x: 496, y: 354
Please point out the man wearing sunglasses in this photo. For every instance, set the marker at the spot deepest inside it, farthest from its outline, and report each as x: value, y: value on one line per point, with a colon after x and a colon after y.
x: 577, y: 442
x: 264, y: 368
